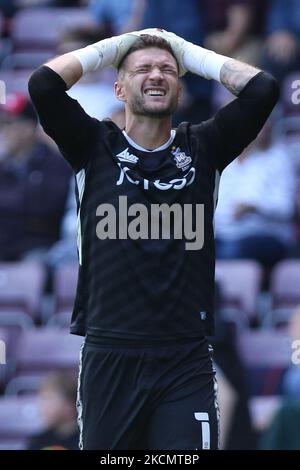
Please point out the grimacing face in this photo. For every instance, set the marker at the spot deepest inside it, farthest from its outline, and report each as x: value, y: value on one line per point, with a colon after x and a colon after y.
x: 148, y: 83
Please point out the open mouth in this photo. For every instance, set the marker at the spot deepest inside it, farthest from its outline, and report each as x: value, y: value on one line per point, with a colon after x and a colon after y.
x: 154, y: 92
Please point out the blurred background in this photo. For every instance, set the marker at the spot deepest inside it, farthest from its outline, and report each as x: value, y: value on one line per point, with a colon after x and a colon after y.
x: 257, y: 220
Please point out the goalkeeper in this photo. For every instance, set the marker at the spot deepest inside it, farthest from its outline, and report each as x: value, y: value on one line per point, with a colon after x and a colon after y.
x: 145, y: 303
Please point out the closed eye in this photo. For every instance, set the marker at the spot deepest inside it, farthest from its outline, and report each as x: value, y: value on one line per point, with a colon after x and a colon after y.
x: 143, y: 70
x: 169, y: 70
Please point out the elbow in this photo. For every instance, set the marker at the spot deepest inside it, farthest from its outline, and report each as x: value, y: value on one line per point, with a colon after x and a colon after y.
x: 271, y: 86
x: 35, y: 84
x: 45, y: 83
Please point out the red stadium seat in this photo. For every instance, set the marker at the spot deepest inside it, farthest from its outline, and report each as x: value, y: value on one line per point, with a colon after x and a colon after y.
x: 21, y: 287
x: 240, y: 284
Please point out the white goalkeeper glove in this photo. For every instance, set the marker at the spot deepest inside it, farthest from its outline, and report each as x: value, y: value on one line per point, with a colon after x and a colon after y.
x: 190, y: 57
x: 107, y: 52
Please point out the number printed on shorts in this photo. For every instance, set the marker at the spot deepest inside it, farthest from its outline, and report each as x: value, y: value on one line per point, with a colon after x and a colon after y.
x: 204, y: 418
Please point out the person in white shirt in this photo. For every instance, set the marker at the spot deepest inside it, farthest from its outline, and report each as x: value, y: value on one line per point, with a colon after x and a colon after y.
x: 254, y: 216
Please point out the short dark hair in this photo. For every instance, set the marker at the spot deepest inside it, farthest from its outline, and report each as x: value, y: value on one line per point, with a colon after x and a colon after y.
x: 146, y: 41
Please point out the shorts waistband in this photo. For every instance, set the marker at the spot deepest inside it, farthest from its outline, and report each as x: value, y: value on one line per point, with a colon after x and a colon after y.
x: 101, y: 340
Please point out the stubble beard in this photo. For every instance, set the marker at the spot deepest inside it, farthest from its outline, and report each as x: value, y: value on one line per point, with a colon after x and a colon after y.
x: 140, y: 108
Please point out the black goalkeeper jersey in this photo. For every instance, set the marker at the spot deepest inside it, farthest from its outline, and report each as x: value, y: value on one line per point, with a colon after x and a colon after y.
x: 146, y: 285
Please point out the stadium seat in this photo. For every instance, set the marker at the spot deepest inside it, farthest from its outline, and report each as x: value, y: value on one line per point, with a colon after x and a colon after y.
x: 285, y: 283
x: 41, y: 28
x: 16, y: 81
x: 64, y: 287
x: 61, y: 319
x: 240, y: 283
x: 4, y: 340
x: 24, y: 384
x: 21, y: 287
x: 19, y: 418
x: 47, y: 349
x: 11, y: 325
x: 266, y: 355
x: 26, y: 60
x: 285, y: 293
x: 13, y: 444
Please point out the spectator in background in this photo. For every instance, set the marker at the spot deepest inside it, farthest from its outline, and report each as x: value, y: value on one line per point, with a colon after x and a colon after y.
x: 230, y: 29
x: 254, y: 218
x: 282, y: 47
x: 65, y: 250
x: 8, y: 8
x: 57, y: 400
x: 236, y: 427
x: 115, y: 14
x: 284, y: 431
x: 34, y: 182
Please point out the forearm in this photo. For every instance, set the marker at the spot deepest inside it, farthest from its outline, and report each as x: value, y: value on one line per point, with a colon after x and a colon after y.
x: 68, y: 67
x: 73, y: 65
x: 235, y: 75
x: 101, y: 54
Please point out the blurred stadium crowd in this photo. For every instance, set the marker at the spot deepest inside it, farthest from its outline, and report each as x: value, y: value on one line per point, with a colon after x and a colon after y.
x: 257, y: 220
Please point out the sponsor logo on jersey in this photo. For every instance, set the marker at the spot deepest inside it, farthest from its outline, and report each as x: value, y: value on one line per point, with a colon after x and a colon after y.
x: 175, y: 183
x: 127, y: 157
x: 181, y: 159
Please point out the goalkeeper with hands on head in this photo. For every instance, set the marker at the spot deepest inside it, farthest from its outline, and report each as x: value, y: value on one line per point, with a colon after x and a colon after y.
x: 145, y: 305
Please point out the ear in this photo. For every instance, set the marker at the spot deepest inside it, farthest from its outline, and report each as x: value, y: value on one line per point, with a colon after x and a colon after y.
x: 119, y: 91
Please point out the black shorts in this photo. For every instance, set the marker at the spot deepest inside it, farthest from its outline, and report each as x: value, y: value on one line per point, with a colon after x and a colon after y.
x: 156, y: 397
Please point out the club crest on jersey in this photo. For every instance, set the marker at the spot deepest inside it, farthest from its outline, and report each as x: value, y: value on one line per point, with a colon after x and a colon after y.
x: 127, y: 157
x: 181, y: 159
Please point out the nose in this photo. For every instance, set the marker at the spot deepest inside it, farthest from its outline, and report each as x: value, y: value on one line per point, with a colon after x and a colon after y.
x: 155, y: 73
